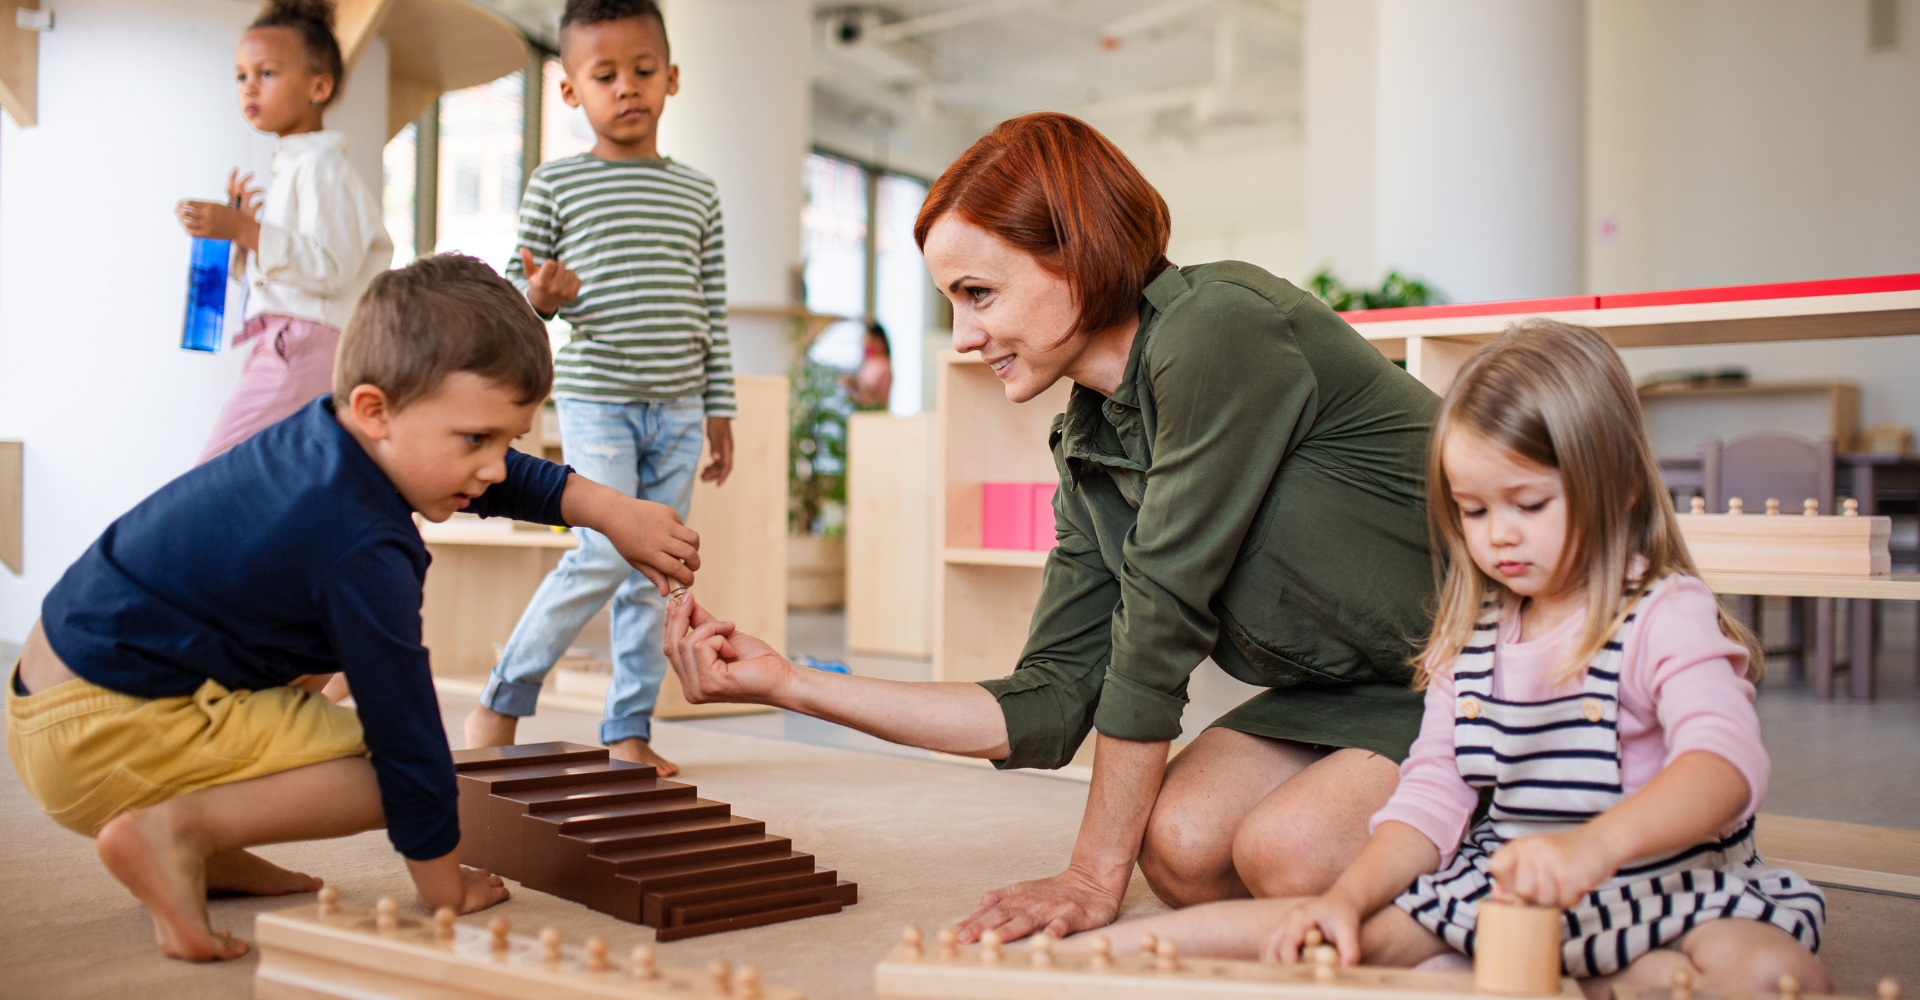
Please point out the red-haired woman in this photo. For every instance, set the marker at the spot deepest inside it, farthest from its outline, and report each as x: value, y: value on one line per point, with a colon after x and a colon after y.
x: 1241, y: 477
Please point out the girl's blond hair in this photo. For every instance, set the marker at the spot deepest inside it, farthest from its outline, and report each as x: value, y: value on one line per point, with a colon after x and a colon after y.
x: 1557, y: 395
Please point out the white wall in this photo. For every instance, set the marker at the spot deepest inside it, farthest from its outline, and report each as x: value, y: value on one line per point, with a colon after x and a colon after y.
x: 1228, y: 203
x: 93, y: 265
x: 1745, y: 141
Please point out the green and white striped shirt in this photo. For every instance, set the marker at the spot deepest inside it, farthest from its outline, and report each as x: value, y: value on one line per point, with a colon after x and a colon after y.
x: 645, y: 237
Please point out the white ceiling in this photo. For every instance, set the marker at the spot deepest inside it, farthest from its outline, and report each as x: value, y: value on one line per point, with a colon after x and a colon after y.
x: 1208, y: 70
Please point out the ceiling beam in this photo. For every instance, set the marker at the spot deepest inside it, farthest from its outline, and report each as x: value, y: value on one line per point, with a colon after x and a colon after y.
x: 900, y: 30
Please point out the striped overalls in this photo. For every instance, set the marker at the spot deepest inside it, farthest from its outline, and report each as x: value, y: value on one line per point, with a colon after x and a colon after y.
x: 1554, y: 765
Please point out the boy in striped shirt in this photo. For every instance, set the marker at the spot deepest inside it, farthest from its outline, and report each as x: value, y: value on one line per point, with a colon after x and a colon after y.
x: 644, y: 285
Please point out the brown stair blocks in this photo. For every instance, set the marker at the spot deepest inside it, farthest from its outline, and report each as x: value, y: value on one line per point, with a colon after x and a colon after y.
x: 565, y: 819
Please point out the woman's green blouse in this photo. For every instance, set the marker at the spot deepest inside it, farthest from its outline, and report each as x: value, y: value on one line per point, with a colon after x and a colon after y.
x: 1253, y: 491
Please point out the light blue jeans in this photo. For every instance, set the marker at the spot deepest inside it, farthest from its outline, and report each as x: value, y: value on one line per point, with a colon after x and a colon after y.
x: 645, y: 450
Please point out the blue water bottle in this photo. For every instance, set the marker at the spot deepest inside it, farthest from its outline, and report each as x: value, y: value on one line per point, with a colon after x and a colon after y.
x: 205, y: 328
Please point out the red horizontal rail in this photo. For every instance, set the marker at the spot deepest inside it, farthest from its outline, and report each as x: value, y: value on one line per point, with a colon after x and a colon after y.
x: 1684, y: 296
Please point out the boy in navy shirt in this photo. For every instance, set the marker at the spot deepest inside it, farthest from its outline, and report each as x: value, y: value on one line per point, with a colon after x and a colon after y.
x: 165, y: 702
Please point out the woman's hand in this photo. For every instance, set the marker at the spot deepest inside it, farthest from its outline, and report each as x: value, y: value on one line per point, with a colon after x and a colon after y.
x: 715, y: 662
x: 1551, y: 870
x: 1334, y: 914
x: 1068, y: 903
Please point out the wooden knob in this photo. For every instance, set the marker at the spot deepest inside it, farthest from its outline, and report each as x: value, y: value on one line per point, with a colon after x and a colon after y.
x: 550, y: 945
x: 1773, y: 505
x: 1789, y: 986
x: 949, y: 943
x: 443, y: 923
x: 329, y: 901
x: 721, y: 972
x: 1851, y: 509
x: 1889, y: 989
x: 1682, y: 985
x: 1102, y: 947
x: 1698, y: 506
x: 1148, y: 942
x: 1326, y: 963
x: 746, y: 983
x: 596, y: 954
x: 387, y: 914
x: 498, y: 928
x: 990, y: 947
x: 1734, y: 506
x: 1810, y: 507
x: 640, y: 963
x: 1041, y: 946
x: 911, y: 938
x: 1167, y: 957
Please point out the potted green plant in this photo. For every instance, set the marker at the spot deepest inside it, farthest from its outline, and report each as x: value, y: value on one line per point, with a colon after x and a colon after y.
x: 816, y: 485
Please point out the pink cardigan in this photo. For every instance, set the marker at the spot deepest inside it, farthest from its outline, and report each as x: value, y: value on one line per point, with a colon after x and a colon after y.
x: 1683, y: 687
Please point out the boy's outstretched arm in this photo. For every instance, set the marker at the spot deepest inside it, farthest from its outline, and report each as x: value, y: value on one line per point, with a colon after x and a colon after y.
x: 648, y: 535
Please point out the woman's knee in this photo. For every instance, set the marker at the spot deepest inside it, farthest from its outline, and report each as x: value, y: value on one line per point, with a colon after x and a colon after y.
x: 1187, y: 857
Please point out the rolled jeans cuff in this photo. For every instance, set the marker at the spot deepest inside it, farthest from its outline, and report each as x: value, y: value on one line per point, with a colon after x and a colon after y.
x: 631, y: 727
x: 510, y: 697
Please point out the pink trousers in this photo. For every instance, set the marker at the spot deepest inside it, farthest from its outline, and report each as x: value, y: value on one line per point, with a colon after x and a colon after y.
x: 291, y: 363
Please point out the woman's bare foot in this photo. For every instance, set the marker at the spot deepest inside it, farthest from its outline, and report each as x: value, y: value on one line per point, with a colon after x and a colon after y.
x: 247, y: 874
x: 488, y: 728
x: 153, y: 854
x: 637, y: 751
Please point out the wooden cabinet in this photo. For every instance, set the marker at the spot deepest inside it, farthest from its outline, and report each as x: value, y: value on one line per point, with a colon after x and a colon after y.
x: 984, y: 598
x: 891, y: 546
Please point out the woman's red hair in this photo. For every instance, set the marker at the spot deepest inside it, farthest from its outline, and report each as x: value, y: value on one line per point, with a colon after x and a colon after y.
x: 1051, y: 186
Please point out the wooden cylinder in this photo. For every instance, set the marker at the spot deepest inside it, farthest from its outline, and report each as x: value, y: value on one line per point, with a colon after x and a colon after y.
x: 1517, y: 950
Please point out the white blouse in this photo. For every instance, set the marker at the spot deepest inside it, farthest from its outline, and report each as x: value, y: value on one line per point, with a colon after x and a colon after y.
x: 322, y: 237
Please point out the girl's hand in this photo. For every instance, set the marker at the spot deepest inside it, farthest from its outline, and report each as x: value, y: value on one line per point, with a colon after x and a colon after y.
x: 210, y: 221
x: 241, y: 197
x: 1334, y: 915
x: 549, y: 285
x: 715, y: 662
x: 1551, y: 870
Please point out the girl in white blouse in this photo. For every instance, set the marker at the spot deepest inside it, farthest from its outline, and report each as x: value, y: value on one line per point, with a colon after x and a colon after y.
x: 317, y: 239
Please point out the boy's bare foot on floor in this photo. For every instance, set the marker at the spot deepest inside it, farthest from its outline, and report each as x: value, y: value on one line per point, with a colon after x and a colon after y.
x: 488, y: 728
x: 154, y: 856
x: 248, y: 874
x: 638, y: 752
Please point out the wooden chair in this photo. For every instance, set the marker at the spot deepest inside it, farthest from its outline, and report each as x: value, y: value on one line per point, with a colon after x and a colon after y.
x: 1789, y: 469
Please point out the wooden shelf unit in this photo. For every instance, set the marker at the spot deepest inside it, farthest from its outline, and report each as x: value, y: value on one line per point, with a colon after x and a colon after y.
x: 984, y: 598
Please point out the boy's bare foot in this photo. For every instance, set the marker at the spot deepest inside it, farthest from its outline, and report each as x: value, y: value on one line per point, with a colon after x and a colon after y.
x: 488, y: 728
x: 153, y: 855
x: 248, y: 874
x: 637, y: 751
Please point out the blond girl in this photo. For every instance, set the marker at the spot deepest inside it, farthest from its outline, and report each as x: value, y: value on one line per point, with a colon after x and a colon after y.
x: 1580, y: 673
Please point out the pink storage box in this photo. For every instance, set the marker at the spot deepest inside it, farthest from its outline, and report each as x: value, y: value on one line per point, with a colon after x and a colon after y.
x: 1006, y: 515
x: 1043, y: 536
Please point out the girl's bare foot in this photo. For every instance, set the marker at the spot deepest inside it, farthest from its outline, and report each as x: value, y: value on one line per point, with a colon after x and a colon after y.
x: 153, y: 855
x: 488, y: 728
x: 637, y: 751
x: 248, y: 874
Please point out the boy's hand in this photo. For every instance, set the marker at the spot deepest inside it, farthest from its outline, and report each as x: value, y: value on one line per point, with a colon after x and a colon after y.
x: 651, y: 538
x: 1551, y: 870
x: 549, y: 285
x: 444, y: 881
x: 715, y: 662
x: 720, y: 442
x: 1334, y: 915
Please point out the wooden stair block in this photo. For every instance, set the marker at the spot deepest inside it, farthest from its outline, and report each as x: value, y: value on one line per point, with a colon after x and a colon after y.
x: 567, y: 819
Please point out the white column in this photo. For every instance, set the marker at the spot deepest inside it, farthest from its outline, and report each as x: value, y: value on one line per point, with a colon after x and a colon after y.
x: 93, y: 267
x: 1480, y: 142
x: 742, y: 117
x: 361, y: 112
x: 1446, y: 139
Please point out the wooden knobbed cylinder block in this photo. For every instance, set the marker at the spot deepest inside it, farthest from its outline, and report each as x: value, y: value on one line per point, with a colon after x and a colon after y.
x: 990, y: 947
x: 1889, y: 989
x: 949, y: 943
x: 387, y: 914
x: 911, y: 938
x: 498, y: 930
x: 1518, y: 950
x: 640, y: 963
x: 329, y: 901
x: 443, y: 923
x: 1102, y: 947
x: 597, y: 954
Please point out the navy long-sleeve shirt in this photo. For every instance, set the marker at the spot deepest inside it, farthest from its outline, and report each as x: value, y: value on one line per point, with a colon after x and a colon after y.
x: 290, y: 554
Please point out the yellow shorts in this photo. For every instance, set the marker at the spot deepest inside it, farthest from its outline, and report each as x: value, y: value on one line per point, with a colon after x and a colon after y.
x: 89, y: 754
